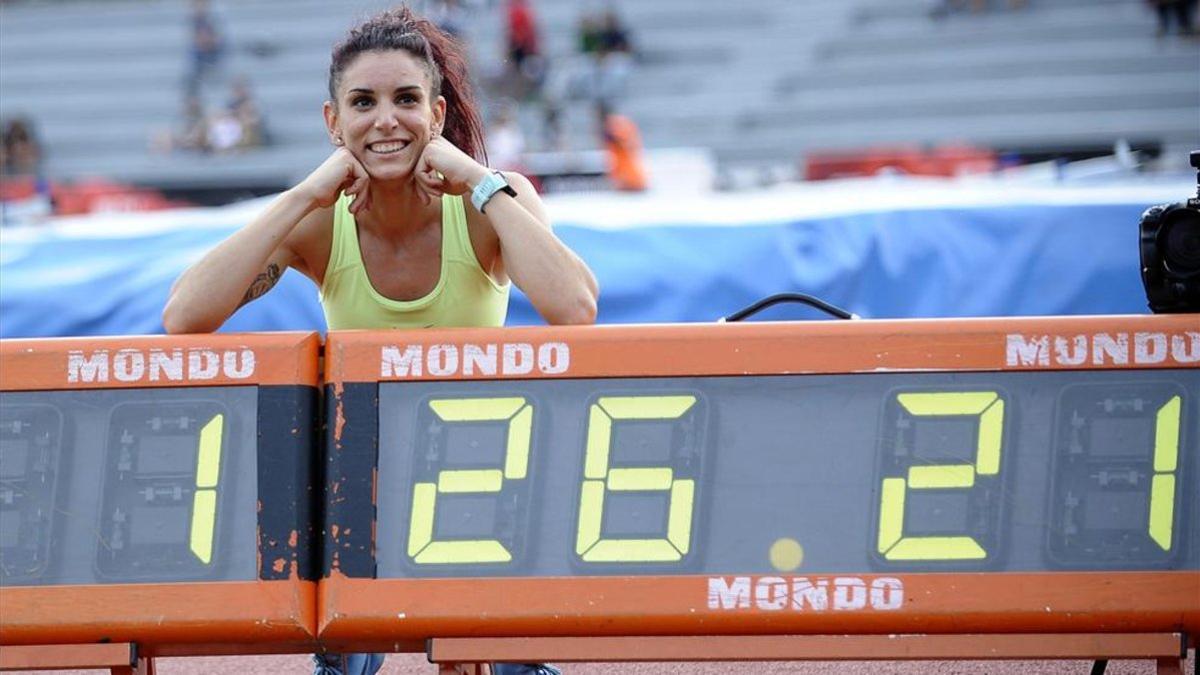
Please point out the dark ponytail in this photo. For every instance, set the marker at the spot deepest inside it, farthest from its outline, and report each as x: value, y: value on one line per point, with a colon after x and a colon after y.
x: 443, y: 58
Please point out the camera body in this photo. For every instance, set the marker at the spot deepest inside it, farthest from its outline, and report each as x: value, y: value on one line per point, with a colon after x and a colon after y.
x: 1170, y: 253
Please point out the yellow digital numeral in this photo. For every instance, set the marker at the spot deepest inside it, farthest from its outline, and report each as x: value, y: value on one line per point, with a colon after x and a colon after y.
x: 1166, y: 461
x: 204, y: 502
x: 989, y: 408
x: 599, y: 477
x: 421, y: 546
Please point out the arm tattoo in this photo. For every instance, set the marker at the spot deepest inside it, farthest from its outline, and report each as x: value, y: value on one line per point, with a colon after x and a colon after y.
x: 261, y: 284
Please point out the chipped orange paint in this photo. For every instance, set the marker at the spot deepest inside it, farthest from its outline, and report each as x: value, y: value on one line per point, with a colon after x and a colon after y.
x: 294, y: 539
x: 339, y: 423
x: 279, y: 565
x: 339, y: 419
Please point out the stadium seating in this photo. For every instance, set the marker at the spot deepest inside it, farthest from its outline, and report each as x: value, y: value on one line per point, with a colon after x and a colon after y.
x: 762, y: 83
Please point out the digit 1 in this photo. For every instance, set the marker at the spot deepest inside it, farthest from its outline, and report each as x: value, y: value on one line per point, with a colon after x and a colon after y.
x: 421, y: 546
x: 599, y: 477
x: 204, y: 503
x: 989, y: 408
x: 1166, y: 461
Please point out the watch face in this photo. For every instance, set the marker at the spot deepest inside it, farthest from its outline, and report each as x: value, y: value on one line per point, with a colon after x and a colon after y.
x: 488, y: 187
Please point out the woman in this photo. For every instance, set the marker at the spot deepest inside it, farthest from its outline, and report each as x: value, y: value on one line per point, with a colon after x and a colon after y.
x: 402, y: 226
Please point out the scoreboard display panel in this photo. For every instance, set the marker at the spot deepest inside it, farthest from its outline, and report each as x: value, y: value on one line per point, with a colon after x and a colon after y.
x: 1025, y: 475
x: 147, y: 484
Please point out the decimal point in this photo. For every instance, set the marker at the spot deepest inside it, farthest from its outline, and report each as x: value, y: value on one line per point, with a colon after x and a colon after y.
x: 786, y: 554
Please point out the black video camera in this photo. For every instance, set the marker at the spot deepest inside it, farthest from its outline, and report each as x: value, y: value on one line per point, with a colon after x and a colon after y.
x: 1170, y: 247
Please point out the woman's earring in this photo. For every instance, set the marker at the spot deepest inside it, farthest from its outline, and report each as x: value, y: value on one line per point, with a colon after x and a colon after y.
x: 337, y: 140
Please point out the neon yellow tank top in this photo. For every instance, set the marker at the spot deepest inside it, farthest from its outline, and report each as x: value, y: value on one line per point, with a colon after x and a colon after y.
x: 465, y: 294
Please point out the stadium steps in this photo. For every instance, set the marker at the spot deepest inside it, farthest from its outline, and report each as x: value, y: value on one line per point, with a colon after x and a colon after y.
x: 1028, y: 131
x: 766, y: 83
x: 874, y: 11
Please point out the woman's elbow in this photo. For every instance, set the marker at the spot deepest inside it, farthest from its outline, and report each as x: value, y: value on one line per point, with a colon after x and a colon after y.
x: 176, y: 321
x: 580, y: 312
x: 172, y: 322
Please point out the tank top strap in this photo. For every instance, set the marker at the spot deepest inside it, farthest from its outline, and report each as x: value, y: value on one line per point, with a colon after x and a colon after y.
x: 457, y: 236
x: 343, y: 228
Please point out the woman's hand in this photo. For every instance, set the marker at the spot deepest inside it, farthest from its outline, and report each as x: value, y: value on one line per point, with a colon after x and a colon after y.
x: 340, y: 173
x: 444, y: 169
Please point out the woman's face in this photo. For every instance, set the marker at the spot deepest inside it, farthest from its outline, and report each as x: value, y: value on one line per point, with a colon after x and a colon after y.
x: 384, y: 114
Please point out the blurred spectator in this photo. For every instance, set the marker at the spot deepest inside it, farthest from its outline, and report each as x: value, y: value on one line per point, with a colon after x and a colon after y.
x: 623, y: 149
x: 192, y: 133
x: 613, y: 36
x: 237, y: 126
x: 554, y: 133
x: 524, y: 49
x: 450, y: 16
x: 605, y: 39
x: 22, y: 151
x: 1181, y: 10
x: 615, y: 58
x: 225, y: 132
x: 246, y: 112
x: 25, y: 196
x: 505, y: 141
x: 206, y: 48
x: 588, y: 34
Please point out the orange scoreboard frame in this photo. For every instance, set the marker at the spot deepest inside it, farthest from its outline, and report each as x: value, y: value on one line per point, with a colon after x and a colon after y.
x: 742, y: 481
x: 627, y: 538
x: 99, y: 417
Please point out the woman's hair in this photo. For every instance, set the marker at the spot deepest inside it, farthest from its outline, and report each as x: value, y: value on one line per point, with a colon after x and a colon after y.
x: 443, y: 58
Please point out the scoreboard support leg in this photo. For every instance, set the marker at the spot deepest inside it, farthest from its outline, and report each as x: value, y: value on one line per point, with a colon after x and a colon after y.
x: 1168, y: 650
x: 120, y: 658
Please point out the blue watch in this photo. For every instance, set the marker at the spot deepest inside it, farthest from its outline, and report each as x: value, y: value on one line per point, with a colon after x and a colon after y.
x: 488, y: 187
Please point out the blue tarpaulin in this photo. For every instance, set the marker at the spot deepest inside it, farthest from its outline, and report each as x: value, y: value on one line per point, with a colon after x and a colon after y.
x: 976, y: 252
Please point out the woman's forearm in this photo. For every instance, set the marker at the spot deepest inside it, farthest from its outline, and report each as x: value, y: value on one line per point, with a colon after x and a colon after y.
x: 552, y: 276
x: 242, y: 267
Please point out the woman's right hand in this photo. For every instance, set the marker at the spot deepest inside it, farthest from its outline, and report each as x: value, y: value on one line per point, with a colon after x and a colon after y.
x: 341, y: 172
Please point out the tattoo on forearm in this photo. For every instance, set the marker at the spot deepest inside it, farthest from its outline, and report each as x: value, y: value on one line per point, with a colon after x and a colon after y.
x: 262, y: 283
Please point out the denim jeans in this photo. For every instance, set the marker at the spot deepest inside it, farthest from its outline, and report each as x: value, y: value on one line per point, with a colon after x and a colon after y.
x: 369, y: 664
x: 524, y: 669
x: 347, y: 664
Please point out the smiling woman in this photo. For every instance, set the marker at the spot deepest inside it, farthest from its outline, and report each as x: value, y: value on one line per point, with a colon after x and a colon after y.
x: 404, y: 225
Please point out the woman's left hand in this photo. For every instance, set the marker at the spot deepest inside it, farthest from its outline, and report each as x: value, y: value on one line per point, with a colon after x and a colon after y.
x: 444, y: 169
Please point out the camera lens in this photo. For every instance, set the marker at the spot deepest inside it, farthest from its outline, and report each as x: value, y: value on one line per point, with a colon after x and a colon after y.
x: 1181, y: 241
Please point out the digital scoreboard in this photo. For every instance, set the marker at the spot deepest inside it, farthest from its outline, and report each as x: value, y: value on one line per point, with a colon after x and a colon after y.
x: 158, y: 490
x: 199, y: 494
x: 994, y: 476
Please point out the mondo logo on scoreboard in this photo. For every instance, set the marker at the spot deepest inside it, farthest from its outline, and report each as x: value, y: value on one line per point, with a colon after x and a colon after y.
x: 153, y: 365
x: 506, y: 359
x: 1120, y: 349
x: 815, y: 594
